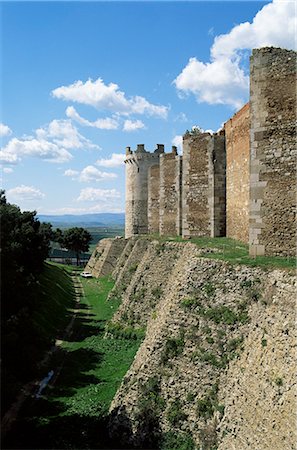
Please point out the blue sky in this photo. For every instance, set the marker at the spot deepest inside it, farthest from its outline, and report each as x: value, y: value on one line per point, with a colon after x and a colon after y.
x: 83, y: 80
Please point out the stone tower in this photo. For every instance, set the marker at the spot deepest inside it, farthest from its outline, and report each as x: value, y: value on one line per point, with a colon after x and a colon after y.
x: 138, y: 164
x: 204, y: 185
x: 273, y: 152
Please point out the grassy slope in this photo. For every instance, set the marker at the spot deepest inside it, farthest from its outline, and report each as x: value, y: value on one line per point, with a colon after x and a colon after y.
x: 25, y: 345
x: 233, y: 251
x: 72, y: 412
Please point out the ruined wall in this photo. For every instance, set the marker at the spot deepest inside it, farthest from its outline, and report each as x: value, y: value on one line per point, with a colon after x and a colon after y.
x: 273, y: 152
x: 237, y: 132
x: 203, y: 185
x: 137, y: 166
x: 170, y: 184
x: 153, y: 199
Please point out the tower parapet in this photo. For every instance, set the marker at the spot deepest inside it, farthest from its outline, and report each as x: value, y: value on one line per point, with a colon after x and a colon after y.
x: 138, y: 163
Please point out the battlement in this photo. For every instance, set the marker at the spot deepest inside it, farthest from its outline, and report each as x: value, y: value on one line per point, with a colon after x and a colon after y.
x: 239, y: 181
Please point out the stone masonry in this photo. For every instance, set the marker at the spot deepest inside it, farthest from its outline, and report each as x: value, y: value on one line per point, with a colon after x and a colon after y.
x: 239, y: 183
x: 203, y: 182
x: 170, y: 184
x: 237, y: 131
x: 273, y: 152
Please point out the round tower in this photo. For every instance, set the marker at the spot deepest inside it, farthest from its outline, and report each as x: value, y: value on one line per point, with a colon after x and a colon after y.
x: 137, y: 166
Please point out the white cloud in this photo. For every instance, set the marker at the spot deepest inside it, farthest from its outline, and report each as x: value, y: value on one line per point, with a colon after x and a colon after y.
x: 17, y: 149
x: 178, y: 142
x: 71, y: 173
x: 130, y: 125
x: 24, y: 193
x: 223, y: 80
x: 116, y: 160
x: 108, y: 97
x: 4, y: 130
x: 64, y: 134
x: 92, y: 194
x: 108, y: 123
x: 7, y: 170
x: 50, y: 143
x: 90, y: 173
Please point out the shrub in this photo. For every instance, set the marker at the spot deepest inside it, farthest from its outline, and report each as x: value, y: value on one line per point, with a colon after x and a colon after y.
x: 177, y: 441
x: 209, y: 289
x: 157, y: 292
x: 173, y: 347
x: 175, y: 415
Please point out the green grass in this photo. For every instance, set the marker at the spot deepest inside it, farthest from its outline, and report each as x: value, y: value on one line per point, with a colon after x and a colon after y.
x: 107, y: 359
x: 233, y: 251
x: 90, y: 365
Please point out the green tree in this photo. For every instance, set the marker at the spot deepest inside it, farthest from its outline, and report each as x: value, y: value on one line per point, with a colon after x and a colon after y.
x: 25, y: 244
x: 77, y: 240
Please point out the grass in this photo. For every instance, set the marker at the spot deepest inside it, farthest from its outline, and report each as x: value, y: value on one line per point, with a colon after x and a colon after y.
x: 233, y: 251
x: 71, y: 413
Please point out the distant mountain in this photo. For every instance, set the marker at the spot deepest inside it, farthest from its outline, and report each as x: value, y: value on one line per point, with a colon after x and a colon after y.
x: 85, y: 220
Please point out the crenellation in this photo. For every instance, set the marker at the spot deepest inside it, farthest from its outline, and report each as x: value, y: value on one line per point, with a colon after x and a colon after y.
x: 239, y: 182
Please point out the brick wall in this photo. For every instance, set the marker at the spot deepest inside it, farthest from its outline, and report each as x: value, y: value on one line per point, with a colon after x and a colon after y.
x: 237, y: 132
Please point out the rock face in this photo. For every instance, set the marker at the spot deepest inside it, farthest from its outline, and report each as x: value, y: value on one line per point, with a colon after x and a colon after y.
x: 216, y: 367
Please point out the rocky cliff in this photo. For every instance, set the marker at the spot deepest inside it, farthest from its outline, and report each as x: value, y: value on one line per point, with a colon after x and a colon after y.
x: 216, y: 368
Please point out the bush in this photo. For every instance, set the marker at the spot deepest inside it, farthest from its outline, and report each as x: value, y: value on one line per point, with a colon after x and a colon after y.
x: 173, y: 348
x: 177, y: 441
x: 175, y: 415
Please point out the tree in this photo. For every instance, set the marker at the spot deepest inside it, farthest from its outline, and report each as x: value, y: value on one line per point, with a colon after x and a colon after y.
x: 77, y: 240
x: 25, y: 244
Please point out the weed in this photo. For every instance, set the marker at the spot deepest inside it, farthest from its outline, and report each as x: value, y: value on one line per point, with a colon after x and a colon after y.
x: 210, y: 340
x: 209, y: 289
x: 177, y: 441
x: 264, y: 342
x: 190, y: 303
x: 133, y: 268
x: 157, y: 292
x: 173, y: 347
x: 190, y: 397
x: 279, y: 381
x: 175, y: 415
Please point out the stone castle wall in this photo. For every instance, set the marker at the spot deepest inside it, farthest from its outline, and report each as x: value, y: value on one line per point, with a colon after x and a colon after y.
x: 137, y: 166
x: 203, y: 185
x: 273, y: 152
x: 153, y: 199
x: 237, y: 130
x: 170, y: 193
x: 239, y: 183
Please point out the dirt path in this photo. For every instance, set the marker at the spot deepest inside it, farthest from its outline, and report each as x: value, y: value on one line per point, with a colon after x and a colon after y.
x: 30, y: 388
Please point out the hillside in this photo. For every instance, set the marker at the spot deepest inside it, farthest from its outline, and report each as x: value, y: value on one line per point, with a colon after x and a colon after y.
x: 85, y: 220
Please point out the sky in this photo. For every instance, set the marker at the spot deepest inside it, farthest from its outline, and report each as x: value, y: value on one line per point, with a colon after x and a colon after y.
x: 80, y: 81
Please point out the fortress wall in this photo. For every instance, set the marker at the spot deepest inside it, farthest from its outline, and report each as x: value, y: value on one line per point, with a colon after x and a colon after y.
x: 137, y: 166
x: 153, y: 199
x: 217, y: 182
x: 273, y: 152
x: 237, y: 131
x: 195, y: 182
x: 204, y: 185
x: 170, y: 193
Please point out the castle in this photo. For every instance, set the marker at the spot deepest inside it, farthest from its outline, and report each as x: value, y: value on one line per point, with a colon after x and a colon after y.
x: 239, y: 182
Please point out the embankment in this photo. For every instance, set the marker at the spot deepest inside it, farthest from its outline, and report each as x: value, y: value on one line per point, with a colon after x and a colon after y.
x: 216, y: 368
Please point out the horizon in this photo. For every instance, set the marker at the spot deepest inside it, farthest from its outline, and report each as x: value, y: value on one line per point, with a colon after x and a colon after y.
x: 84, y: 80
